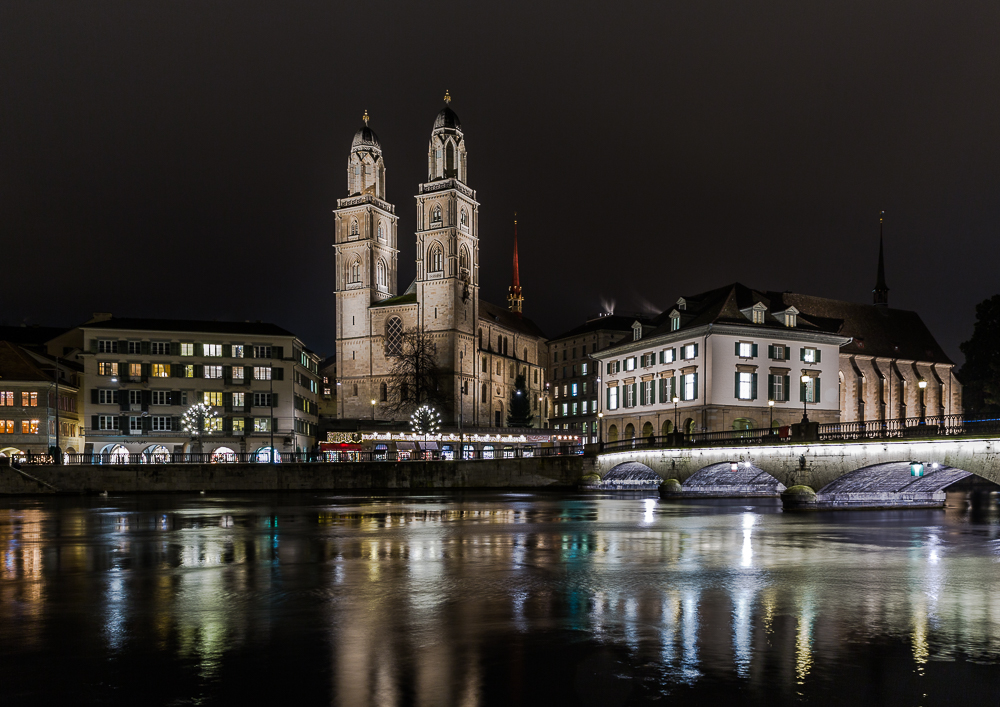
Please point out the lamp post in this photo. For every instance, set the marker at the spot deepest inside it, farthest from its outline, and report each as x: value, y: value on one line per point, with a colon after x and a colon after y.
x: 770, y: 407
x: 270, y: 402
x: 600, y: 428
x: 461, y: 402
x: 805, y: 396
x: 675, y: 400
x: 373, y: 412
x: 923, y: 401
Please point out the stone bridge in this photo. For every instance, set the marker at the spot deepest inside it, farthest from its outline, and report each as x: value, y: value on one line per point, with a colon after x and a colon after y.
x: 850, y: 472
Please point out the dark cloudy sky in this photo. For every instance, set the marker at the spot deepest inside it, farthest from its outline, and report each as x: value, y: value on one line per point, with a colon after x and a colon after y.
x: 182, y: 158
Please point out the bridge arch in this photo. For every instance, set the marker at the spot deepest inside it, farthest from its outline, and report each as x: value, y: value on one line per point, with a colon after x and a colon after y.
x: 630, y: 475
x: 721, y: 480
x: 894, y: 477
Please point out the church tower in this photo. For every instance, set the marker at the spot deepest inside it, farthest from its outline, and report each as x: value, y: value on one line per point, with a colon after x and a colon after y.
x: 366, y: 257
x: 447, y: 237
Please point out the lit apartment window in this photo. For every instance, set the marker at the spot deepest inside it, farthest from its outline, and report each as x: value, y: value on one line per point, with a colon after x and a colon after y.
x: 7, y: 427
x: 107, y: 368
x: 187, y: 349
x: 583, y: 371
x: 630, y: 363
x: 667, y: 355
x: 135, y: 370
x: 237, y: 351
x: 613, y: 397
x: 188, y: 371
x: 745, y: 349
x: 213, y: 371
x: 237, y: 425
x: 238, y: 373
x: 810, y: 355
x: 29, y: 427
x: 213, y: 350
x: 746, y: 386
x: 574, y: 390
x: 238, y: 400
x: 689, y: 351
x: 160, y: 370
x: 6, y: 398
x: 29, y: 400
x: 262, y: 424
x: 690, y: 386
x: 212, y: 398
x: 758, y: 316
x: 213, y: 424
x: 262, y: 373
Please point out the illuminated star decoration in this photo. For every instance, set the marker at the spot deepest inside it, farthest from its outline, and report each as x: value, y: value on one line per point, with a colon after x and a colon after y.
x: 425, y: 420
x: 195, y: 418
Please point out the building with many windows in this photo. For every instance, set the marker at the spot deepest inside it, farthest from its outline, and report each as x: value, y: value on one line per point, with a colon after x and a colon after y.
x: 574, y: 374
x: 141, y: 375
x: 737, y: 358
x: 476, y: 348
x: 38, y: 403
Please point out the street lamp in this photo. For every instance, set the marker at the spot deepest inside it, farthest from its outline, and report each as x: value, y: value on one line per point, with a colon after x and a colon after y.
x: 923, y: 402
x: 600, y: 428
x: 805, y: 396
x: 675, y: 400
x: 373, y: 411
x: 770, y: 406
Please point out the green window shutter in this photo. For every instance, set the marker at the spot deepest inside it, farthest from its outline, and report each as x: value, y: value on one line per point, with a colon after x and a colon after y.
x: 770, y: 387
x: 816, y: 387
x: 247, y: 375
x: 736, y: 389
x: 278, y: 351
x: 175, y: 348
x: 94, y: 423
x: 788, y: 352
x: 802, y: 353
x: 788, y: 392
x: 695, y: 383
x: 635, y: 394
x: 819, y: 356
x: 227, y: 350
x: 123, y: 423
x: 199, y: 349
x: 93, y: 346
x: 696, y: 350
x: 93, y: 395
x: 274, y: 400
x: 199, y: 370
x: 144, y: 347
x: 662, y: 357
x: 753, y: 352
x: 737, y: 348
x: 145, y: 370
x: 753, y: 386
x: 607, y: 397
x: 278, y: 373
x: 770, y: 351
x: 227, y: 402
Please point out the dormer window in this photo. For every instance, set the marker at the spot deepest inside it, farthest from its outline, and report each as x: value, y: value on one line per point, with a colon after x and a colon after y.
x: 675, y: 320
x: 758, y: 313
x: 682, y: 304
x: 636, y: 331
x: 789, y: 316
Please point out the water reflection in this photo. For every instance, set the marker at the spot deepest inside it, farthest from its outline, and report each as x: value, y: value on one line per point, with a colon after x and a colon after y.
x: 493, y: 600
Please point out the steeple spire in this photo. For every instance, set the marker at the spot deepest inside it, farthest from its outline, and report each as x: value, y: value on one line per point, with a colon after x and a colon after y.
x: 880, y: 294
x: 514, y: 298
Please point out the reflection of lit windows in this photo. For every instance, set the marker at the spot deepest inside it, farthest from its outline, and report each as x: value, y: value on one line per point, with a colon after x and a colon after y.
x: 7, y: 427
x: 187, y: 349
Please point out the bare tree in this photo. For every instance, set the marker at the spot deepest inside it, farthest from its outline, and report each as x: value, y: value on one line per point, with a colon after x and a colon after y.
x: 415, y: 377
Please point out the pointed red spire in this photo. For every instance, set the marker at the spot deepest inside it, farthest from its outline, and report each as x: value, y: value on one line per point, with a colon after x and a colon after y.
x: 514, y: 298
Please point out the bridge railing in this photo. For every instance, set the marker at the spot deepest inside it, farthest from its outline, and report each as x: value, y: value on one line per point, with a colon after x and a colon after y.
x: 901, y: 428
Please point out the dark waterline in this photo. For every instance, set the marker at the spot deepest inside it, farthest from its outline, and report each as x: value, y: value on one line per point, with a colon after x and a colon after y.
x: 502, y: 599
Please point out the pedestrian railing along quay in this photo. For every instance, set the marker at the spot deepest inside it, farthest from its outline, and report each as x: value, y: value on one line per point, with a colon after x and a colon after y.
x: 899, y: 428
x: 325, y: 457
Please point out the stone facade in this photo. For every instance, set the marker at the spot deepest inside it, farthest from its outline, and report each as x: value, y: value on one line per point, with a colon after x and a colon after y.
x: 442, y: 305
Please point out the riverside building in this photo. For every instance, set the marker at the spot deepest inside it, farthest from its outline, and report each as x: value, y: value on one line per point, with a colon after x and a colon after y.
x: 141, y: 375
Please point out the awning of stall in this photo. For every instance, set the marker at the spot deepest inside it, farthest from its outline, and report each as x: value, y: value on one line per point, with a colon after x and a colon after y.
x: 429, y: 445
x: 405, y: 446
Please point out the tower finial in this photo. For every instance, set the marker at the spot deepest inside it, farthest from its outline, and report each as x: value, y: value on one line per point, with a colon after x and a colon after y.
x: 514, y: 298
x: 880, y: 295
x: 365, y: 117
x: 447, y: 96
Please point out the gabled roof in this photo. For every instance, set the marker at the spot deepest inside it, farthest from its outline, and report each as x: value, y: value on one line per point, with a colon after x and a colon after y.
x: 609, y: 322
x: 17, y: 365
x: 504, y: 317
x: 193, y: 325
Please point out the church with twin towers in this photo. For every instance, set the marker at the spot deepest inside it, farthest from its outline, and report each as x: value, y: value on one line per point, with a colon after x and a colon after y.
x: 473, y: 348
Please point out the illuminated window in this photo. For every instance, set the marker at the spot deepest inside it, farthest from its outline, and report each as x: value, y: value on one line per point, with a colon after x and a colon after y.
x: 107, y: 368
x: 160, y: 370
x: 29, y: 400
x: 613, y: 397
x: 689, y: 351
x: 7, y: 426
x: 237, y: 350
x: 188, y: 371
x: 238, y: 373
x: 745, y: 349
x: 213, y: 424
x: 6, y: 398
x: 213, y: 371
x: 135, y: 370
x: 262, y: 373
x: 746, y: 386
x: 574, y: 389
x: 187, y: 349
x: 238, y: 400
x: 237, y: 425
x: 29, y: 427
x: 213, y: 350
x: 212, y: 398
x: 262, y: 424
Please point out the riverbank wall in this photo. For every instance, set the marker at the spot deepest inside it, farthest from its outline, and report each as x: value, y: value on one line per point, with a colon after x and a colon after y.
x: 537, y: 472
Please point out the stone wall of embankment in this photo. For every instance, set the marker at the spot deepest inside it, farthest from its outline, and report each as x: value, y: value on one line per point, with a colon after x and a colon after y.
x: 538, y: 472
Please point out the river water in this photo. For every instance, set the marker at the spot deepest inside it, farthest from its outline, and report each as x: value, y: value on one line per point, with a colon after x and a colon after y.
x: 502, y: 599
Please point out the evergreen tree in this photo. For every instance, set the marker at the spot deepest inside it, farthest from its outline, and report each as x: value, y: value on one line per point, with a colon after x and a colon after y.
x: 980, y: 375
x: 519, y: 408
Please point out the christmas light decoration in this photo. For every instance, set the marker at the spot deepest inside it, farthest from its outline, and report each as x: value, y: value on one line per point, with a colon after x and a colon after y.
x: 196, y: 419
x: 425, y: 420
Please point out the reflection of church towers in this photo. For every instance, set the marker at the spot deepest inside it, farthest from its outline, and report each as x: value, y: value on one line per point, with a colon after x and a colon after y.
x: 366, y: 253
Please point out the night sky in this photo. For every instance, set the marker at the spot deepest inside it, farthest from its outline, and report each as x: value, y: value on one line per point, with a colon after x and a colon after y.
x: 181, y: 159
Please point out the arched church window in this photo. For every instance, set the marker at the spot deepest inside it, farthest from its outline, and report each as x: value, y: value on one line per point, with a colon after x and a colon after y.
x: 450, y: 160
x: 354, y: 227
x: 380, y: 274
x: 436, y: 216
x: 486, y: 393
x: 381, y: 230
x: 383, y: 392
x: 394, y: 337
x: 463, y: 258
x: 354, y: 271
x: 465, y: 220
x: 436, y: 259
